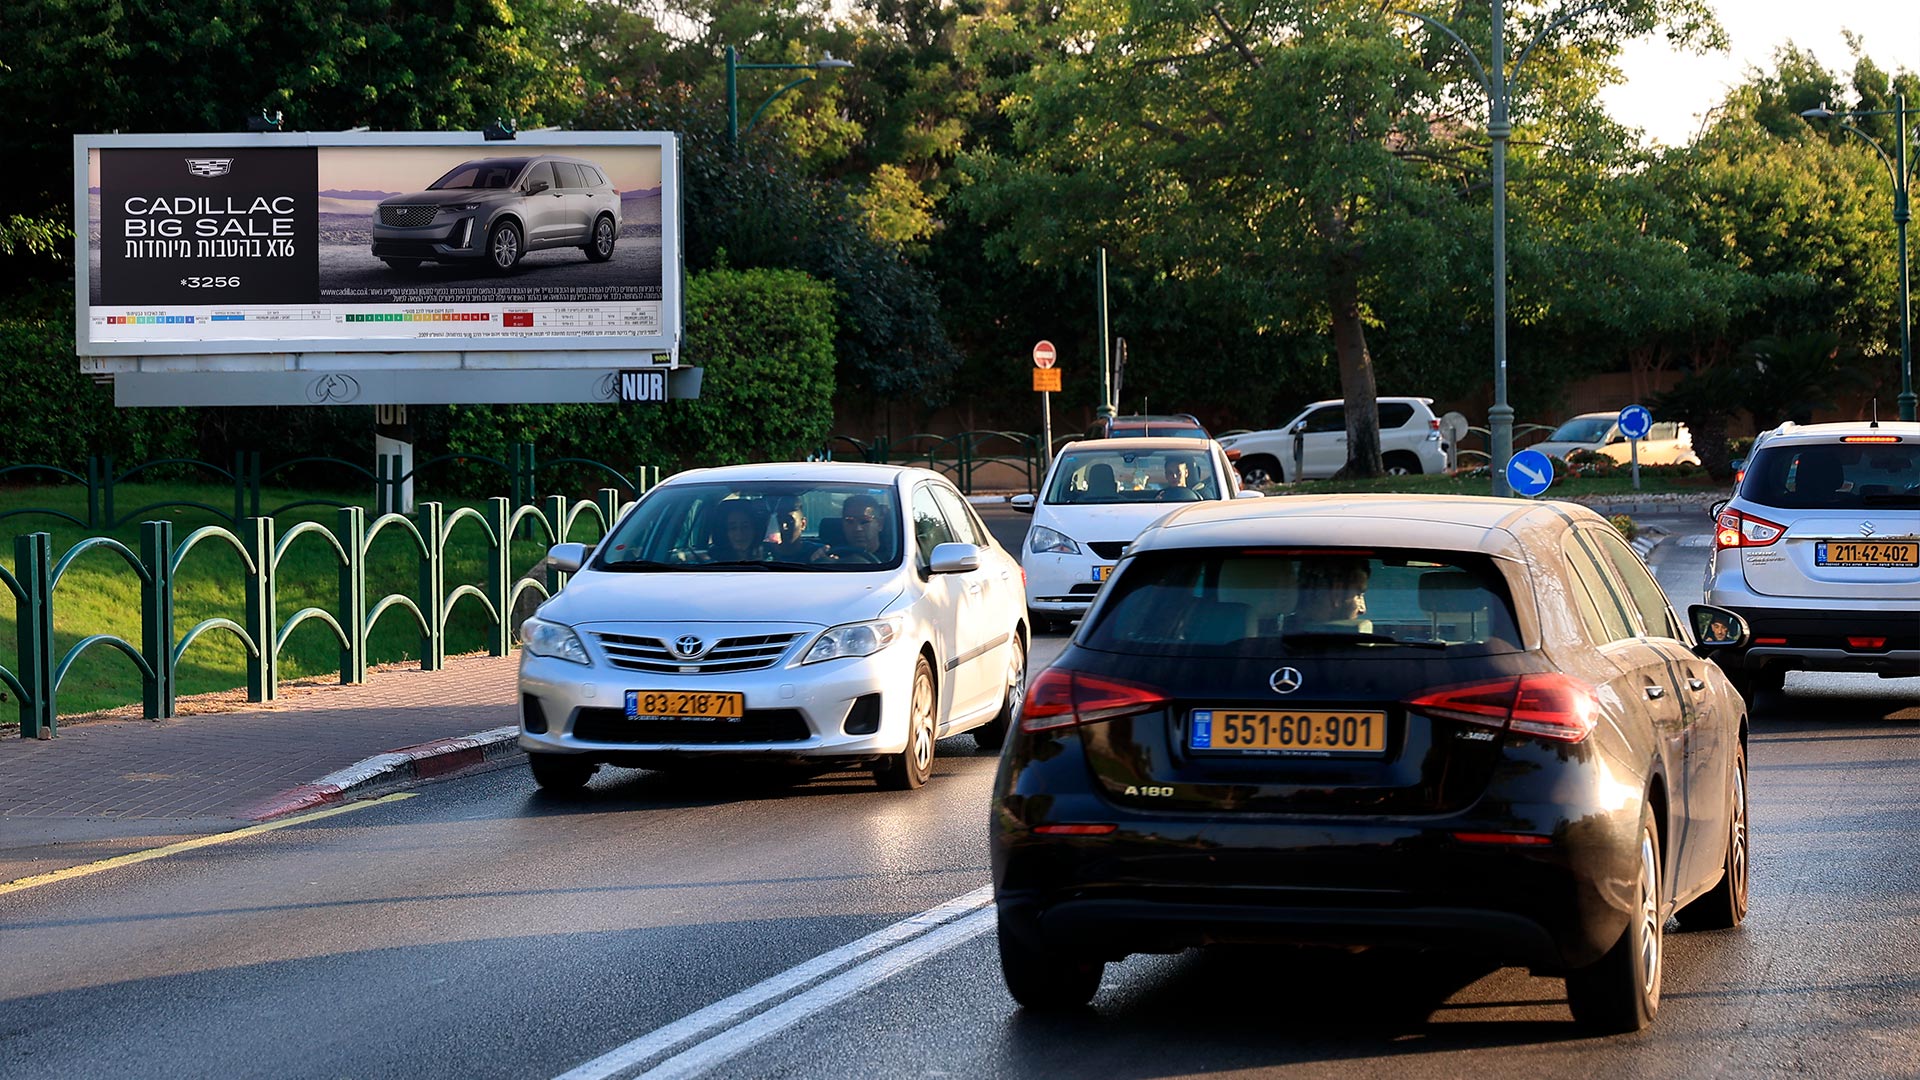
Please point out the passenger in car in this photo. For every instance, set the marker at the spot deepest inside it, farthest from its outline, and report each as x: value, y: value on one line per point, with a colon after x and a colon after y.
x: 792, y: 544
x: 1332, y: 597
x: 741, y: 535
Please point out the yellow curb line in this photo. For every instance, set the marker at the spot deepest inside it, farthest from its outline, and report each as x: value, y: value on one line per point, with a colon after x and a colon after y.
x: 188, y: 845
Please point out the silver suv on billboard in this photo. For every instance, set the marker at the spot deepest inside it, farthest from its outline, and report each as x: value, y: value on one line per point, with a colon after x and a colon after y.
x: 498, y: 209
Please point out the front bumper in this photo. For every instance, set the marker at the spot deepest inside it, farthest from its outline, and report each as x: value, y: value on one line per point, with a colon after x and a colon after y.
x: 458, y: 237
x: 791, y: 710
x: 1063, y: 585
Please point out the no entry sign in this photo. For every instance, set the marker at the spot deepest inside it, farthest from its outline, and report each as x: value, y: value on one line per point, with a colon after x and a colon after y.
x: 1043, y: 354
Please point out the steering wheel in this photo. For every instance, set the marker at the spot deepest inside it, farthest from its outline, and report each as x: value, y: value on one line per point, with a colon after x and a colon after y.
x: 1178, y: 494
x: 855, y: 555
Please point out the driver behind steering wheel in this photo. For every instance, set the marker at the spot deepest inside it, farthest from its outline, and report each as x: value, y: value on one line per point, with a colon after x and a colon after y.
x: 1180, y: 479
x: 864, y: 528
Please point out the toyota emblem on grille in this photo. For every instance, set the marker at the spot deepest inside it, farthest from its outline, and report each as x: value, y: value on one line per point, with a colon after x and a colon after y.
x: 687, y: 645
x: 1866, y: 528
x: 1285, y: 681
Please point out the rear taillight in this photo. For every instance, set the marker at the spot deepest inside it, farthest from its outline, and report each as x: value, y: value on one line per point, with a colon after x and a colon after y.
x: 1734, y: 529
x: 1549, y: 706
x: 1063, y: 698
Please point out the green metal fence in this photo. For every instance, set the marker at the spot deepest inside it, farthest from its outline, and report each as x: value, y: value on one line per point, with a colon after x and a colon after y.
x: 262, y: 628
x: 962, y: 458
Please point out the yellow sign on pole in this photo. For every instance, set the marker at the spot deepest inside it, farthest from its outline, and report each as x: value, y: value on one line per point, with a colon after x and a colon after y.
x: 1046, y: 380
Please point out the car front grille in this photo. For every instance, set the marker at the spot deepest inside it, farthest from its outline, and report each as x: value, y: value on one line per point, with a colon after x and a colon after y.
x: 407, y: 217
x: 726, y: 656
x: 1107, y: 549
x: 757, y: 726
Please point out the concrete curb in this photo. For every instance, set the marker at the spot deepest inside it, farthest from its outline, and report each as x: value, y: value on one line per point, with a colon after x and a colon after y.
x: 1648, y: 539
x: 422, y: 762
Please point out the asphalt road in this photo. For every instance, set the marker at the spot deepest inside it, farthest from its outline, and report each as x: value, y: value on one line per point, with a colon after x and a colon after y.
x: 481, y: 929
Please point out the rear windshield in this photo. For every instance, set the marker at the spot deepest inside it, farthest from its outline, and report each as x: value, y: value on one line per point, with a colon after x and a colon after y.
x: 1834, y: 476
x: 1232, y: 602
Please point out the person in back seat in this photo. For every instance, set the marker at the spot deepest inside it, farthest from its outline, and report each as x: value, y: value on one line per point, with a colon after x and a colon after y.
x: 1333, y: 597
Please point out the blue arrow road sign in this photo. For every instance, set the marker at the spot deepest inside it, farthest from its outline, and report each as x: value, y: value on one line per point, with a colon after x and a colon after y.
x: 1529, y: 473
x: 1635, y: 421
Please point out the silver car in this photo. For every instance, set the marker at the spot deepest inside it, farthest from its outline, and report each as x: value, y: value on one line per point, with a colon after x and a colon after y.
x: 837, y: 612
x: 498, y: 209
x: 1819, y: 550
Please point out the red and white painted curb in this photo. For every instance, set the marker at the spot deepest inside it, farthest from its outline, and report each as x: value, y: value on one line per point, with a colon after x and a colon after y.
x: 422, y: 762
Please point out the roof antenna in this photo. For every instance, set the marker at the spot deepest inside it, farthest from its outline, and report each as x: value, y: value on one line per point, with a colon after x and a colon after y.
x: 1875, y: 422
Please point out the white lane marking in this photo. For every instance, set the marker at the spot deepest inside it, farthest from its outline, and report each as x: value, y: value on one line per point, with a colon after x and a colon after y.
x: 724, y: 1012
x: 699, y: 1058
x: 1697, y: 541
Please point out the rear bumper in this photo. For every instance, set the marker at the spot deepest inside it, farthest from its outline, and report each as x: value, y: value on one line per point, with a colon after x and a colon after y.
x: 1803, y: 640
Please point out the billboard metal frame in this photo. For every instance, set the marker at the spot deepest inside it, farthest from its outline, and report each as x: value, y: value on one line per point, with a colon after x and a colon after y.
x: 373, y: 372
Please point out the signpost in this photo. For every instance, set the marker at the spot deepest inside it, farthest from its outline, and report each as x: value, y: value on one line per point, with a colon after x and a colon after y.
x: 1635, y: 421
x: 1529, y: 473
x: 1046, y: 382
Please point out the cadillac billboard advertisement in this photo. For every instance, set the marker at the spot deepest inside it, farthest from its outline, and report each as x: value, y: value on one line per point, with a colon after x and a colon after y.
x: 279, y: 243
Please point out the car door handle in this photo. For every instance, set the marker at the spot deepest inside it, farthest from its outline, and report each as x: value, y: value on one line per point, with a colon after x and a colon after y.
x: 1656, y: 692
x: 1696, y: 684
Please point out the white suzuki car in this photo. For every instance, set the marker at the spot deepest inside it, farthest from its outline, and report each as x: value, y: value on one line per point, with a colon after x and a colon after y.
x: 852, y: 613
x: 1098, y: 495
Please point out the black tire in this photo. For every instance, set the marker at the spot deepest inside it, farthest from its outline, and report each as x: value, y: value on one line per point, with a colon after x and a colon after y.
x: 505, y: 245
x: 1044, y: 979
x: 1258, y: 470
x: 404, y: 264
x: 600, y: 245
x: 1401, y: 463
x: 561, y: 773
x: 1725, y: 905
x: 1621, y: 991
x: 910, y: 768
x: 993, y: 734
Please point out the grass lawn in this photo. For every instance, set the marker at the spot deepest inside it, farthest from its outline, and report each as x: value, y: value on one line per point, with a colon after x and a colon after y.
x: 100, y: 592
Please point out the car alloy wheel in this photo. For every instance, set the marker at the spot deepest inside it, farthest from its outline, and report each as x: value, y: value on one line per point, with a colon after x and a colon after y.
x: 503, y: 246
x: 1621, y: 991
x: 601, y: 249
x: 911, y: 767
x: 1725, y: 905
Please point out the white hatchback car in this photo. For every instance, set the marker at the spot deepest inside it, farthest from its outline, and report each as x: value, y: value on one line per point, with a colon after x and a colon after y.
x: 1097, y: 496
x: 853, y: 613
x: 1313, y: 445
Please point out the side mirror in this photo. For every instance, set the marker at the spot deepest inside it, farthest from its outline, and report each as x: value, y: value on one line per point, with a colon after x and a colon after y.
x: 1298, y: 429
x: 1717, y: 629
x: 1251, y: 495
x: 1616, y: 439
x: 537, y: 187
x: 1022, y: 503
x: 567, y: 558
x: 953, y: 558
x: 1714, y: 510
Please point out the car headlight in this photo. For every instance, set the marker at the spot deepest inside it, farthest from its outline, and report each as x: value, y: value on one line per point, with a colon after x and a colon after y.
x: 543, y: 638
x: 1043, y: 540
x: 855, y: 639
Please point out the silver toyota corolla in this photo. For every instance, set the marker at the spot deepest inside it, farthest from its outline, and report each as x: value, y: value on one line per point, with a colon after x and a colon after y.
x: 799, y: 610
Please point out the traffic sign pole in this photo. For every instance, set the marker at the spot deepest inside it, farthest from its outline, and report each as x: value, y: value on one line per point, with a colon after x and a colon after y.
x: 1635, y: 421
x: 1043, y: 361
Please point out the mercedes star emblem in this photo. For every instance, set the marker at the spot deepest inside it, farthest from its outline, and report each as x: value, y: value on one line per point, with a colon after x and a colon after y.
x: 687, y: 645
x: 1285, y: 681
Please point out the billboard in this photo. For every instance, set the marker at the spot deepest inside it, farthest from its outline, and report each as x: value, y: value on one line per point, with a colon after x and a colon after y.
x: 376, y: 252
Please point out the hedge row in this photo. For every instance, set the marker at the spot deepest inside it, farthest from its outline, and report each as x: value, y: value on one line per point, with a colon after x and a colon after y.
x: 765, y: 338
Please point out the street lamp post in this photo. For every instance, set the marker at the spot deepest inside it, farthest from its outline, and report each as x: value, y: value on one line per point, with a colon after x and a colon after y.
x: 1897, y: 169
x: 734, y: 66
x: 1494, y: 79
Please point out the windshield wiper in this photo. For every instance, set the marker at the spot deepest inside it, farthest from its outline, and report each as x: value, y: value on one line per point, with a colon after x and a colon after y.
x: 638, y: 566
x: 733, y: 564
x: 1354, y: 637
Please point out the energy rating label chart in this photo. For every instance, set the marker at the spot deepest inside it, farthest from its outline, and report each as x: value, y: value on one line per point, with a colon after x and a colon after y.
x: 526, y: 321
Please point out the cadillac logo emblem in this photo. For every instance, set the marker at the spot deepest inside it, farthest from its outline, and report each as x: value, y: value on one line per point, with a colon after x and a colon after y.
x: 209, y: 166
x: 1285, y: 681
x: 688, y: 646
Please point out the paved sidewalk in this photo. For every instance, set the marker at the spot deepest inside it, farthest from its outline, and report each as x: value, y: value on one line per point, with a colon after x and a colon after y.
x: 124, y: 778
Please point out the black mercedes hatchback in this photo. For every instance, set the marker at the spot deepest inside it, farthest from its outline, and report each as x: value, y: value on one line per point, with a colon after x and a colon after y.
x: 1433, y: 722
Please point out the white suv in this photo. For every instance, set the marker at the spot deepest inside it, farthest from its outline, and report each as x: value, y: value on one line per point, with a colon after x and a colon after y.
x: 1819, y: 550
x: 1410, y: 442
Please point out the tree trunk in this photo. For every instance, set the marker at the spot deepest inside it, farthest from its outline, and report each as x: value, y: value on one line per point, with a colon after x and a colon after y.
x: 1356, y: 378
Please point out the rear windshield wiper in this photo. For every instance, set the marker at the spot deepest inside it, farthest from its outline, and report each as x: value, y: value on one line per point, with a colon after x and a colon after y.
x: 1355, y: 637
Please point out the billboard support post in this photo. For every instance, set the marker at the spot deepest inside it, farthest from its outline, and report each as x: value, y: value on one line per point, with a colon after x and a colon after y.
x: 393, y: 438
